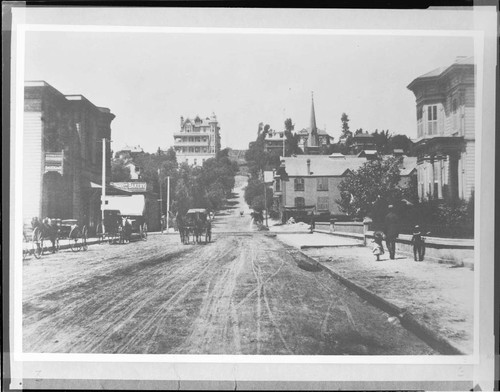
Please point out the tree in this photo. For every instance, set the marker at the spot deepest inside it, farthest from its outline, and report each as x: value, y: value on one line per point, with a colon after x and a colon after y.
x: 171, y: 156
x: 257, y: 158
x: 292, y: 141
x: 345, y: 126
x: 254, y: 195
x: 119, y: 172
x: 402, y: 142
x: 368, y: 190
x: 381, y: 140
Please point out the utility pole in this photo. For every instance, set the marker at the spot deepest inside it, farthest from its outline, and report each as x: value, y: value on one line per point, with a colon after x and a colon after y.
x: 161, y: 200
x: 168, y: 200
x: 103, y: 182
x: 265, y: 200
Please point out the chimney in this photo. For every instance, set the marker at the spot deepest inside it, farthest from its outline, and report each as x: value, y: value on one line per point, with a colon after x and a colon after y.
x: 182, y: 121
x: 308, y: 166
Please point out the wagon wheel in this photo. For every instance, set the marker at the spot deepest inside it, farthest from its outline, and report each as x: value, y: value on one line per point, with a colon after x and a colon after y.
x: 36, y: 243
x: 144, y: 231
x: 74, y: 242
x: 85, y: 246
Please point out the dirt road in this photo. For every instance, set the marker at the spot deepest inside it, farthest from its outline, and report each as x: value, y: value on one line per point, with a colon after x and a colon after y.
x: 244, y: 293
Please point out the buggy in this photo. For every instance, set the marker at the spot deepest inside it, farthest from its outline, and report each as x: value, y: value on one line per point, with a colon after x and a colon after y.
x: 196, y: 224
x: 69, y: 230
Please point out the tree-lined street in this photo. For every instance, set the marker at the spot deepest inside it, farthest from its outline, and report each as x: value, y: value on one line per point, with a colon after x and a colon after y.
x: 244, y: 293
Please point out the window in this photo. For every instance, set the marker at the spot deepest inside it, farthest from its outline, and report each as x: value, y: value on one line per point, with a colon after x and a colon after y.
x: 298, y: 184
x: 455, y: 115
x: 195, y: 161
x: 197, y: 149
x: 420, y: 128
x: 278, y: 185
x: 300, y: 202
x: 191, y: 149
x: 432, y: 120
x: 322, y: 183
x: 323, y: 203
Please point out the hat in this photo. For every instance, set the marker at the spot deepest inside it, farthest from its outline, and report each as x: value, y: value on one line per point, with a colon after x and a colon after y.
x: 417, y: 227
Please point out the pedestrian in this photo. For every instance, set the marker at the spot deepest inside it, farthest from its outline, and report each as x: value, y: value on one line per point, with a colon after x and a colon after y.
x: 377, y: 245
x: 418, y: 244
x: 313, y: 224
x: 391, y: 231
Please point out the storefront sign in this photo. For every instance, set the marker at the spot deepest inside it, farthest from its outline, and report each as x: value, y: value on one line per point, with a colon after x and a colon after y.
x: 138, y: 187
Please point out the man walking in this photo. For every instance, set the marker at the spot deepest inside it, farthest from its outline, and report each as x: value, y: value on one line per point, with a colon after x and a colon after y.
x: 391, y: 231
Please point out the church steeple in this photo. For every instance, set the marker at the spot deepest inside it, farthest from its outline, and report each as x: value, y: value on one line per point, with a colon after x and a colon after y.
x: 313, y: 137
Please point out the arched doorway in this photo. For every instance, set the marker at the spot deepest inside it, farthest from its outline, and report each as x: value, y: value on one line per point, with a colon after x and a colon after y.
x: 52, y: 195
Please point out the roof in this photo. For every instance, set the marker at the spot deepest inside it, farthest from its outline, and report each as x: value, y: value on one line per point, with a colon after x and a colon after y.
x: 367, y: 152
x: 307, y: 131
x: 320, y: 165
x: 202, y: 122
x: 460, y: 60
x: 409, y: 164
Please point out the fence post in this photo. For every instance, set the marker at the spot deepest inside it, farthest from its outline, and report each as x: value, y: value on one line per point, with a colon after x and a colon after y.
x: 332, y: 225
x: 366, y: 224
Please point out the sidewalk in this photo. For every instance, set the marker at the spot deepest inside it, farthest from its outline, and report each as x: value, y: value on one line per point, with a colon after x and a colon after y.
x: 438, y: 295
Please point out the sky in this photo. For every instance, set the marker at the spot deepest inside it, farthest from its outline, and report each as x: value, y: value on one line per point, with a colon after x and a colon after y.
x: 150, y: 80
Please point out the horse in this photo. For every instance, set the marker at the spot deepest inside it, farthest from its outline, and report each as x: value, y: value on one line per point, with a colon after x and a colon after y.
x: 182, y: 229
x: 45, y: 230
x: 125, y: 231
x: 198, y: 229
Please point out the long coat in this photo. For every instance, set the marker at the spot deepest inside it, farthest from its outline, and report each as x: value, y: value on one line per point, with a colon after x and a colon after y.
x: 391, y: 225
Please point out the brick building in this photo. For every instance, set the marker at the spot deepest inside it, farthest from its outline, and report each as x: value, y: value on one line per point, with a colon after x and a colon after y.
x: 445, y: 143
x: 62, y: 154
x: 197, y: 140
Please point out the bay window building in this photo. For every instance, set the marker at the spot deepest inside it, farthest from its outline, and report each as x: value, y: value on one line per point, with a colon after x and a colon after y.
x: 445, y: 143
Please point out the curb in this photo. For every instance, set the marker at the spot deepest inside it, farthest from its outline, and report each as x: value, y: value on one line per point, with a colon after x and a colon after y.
x: 407, y: 320
x: 328, y: 246
x: 342, y: 234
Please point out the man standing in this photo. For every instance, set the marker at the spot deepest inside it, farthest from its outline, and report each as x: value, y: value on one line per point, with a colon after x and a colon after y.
x: 391, y: 231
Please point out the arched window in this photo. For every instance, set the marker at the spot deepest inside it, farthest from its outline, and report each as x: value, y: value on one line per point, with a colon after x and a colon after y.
x: 298, y: 184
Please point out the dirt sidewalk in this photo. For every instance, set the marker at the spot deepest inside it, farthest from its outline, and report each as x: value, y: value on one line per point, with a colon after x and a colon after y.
x: 439, y: 295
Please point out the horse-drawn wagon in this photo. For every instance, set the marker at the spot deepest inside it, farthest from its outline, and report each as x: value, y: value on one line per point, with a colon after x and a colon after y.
x: 52, y: 232
x: 124, y: 219
x: 196, y: 225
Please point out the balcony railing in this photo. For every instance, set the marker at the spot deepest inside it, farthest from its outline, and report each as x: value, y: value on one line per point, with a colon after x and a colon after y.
x: 186, y: 143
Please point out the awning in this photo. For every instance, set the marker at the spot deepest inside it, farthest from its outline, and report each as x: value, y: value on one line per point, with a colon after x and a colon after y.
x: 131, y: 205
